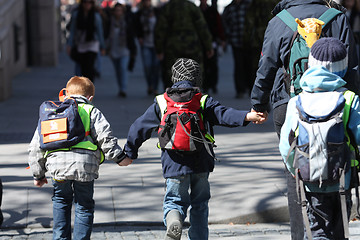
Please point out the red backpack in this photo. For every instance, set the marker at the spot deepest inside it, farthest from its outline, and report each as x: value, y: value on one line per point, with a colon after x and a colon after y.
x: 181, y: 127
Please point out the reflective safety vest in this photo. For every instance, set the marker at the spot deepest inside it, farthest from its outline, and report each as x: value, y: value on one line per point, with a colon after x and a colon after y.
x: 84, y: 112
x: 349, y: 97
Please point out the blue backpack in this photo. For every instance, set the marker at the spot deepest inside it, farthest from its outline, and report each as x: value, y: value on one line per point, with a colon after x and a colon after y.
x: 60, y: 125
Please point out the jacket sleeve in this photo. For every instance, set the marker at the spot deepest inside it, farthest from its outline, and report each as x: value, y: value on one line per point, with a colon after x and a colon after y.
x: 287, y: 134
x: 71, y: 40
x: 99, y: 30
x: 130, y: 36
x: 103, y: 136
x: 275, y: 47
x: 139, y: 29
x: 225, y: 21
x: 202, y: 29
x: 141, y: 130
x: 217, y: 114
x: 36, y: 158
x: 161, y: 28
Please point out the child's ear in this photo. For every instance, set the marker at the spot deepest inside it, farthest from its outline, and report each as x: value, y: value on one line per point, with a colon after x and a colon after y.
x: 90, y: 98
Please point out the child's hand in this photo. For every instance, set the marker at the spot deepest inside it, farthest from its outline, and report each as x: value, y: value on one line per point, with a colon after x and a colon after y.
x: 125, y: 162
x: 40, y: 183
x: 256, y: 117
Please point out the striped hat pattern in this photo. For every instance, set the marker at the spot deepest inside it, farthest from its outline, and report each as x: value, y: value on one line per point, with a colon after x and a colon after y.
x: 185, y: 69
x: 330, y: 53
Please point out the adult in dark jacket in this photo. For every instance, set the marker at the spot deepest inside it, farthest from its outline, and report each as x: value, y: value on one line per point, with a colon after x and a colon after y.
x: 186, y: 171
x: 269, y: 88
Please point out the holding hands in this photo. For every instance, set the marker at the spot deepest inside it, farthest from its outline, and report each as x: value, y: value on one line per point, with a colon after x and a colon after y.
x: 41, y: 182
x: 125, y: 162
x: 256, y: 117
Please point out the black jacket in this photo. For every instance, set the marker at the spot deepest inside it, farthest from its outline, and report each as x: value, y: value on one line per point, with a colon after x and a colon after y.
x: 269, y: 87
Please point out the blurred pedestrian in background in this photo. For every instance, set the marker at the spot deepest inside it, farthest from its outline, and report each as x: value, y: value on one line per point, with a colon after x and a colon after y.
x: 86, y: 37
x: 211, y: 69
x: 353, y: 14
x: 256, y: 20
x: 234, y: 23
x: 181, y: 32
x: 121, y: 45
x: 145, y: 25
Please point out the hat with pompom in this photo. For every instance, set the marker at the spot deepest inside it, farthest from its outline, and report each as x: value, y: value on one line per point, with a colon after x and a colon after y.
x: 330, y: 53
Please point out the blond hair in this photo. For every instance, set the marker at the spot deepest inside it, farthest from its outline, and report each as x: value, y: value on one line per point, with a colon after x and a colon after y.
x: 80, y: 86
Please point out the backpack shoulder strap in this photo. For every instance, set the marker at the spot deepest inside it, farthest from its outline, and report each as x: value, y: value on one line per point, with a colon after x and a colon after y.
x: 160, y: 99
x: 203, y: 101
x: 349, y: 97
x: 328, y: 15
x: 288, y: 19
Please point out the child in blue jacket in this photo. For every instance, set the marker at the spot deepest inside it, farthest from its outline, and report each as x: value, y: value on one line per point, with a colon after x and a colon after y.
x: 184, y: 171
x: 327, y: 65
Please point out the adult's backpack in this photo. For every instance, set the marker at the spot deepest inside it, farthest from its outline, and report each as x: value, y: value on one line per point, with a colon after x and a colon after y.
x: 60, y: 125
x: 182, y: 127
x: 322, y: 155
x: 296, y: 61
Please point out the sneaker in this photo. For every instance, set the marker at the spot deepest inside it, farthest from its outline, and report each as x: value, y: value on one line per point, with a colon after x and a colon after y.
x: 122, y: 94
x: 174, y: 225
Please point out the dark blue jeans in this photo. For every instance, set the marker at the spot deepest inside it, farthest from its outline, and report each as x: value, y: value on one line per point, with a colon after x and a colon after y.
x: 65, y: 192
x: 151, y: 67
x: 120, y: 66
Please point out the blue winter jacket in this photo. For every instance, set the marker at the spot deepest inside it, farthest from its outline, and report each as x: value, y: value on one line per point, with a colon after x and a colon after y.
x: 316, y: 78
x: 174, y: 164
x: 269, y: 88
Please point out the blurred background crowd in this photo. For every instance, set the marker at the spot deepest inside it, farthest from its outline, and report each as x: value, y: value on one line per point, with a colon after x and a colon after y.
x: 149, y: 32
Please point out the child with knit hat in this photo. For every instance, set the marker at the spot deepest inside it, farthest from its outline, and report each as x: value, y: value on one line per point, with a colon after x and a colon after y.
x: 328, y: 63
x: 186, y: 171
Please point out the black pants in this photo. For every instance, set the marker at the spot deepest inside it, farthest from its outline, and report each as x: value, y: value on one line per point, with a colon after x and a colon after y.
x: 87, y: 65
x: 296, y: 220
x: 243, y: 69
x: 211, y: 72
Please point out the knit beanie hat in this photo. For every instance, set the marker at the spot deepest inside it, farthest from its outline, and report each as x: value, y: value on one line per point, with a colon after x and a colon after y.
x: 330, y: 53
x: 185, y: 69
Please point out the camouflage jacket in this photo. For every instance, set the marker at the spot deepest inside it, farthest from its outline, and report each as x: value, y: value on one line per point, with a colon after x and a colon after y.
x: 181, y: 29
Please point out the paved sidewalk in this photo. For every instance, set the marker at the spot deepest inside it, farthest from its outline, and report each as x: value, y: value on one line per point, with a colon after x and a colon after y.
x: 247, y: 185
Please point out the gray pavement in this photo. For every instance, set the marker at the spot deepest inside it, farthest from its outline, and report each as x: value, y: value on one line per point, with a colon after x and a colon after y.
x: 248, y: 186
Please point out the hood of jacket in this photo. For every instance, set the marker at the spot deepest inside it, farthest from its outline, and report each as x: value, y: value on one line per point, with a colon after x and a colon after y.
x: 183, y: 84
x: 285, y: 4
x: 319, y: 79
